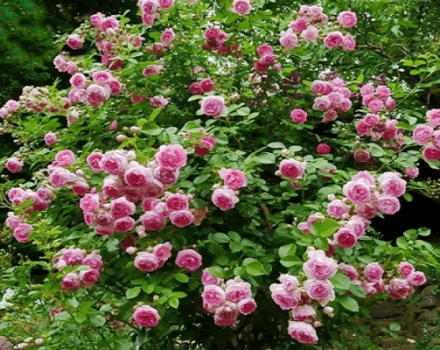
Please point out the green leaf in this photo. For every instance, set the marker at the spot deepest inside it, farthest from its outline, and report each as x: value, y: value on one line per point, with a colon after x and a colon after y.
x: 202, y: 178
x: 97, y: 320
x: 148, y: 288
x: 349, y: 303
x: 276, y: 145
x: 324, y: 228
x: 220, y: 238
x: 133, y: 292
x: 266, y: 158
x: 217, y: 271
x: 151, y: 128
x: 179, y: 295
x: 234, y: 236
x: 154, y: 114
x: 287, y: 250
x: 424, y: 231
x: 357, y: 291
x: 181, y: 277
x: 174, y: 302
x: 340, y: 281
x: 376, y: 150
x: 255, y: 268
x: 395, y: 327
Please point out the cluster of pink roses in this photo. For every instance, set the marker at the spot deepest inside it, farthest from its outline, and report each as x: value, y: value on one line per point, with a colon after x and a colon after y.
x: 146, y: 316
x: 204, y: 144
x: 63, y: 63
x: 94, y: 92
x: 332, y: 96
x: 317, y: 289
x: 226, y: 300
x: 151, y: 8
x: 9, y: 108
x: 154, y: 258
x: 225, y: 197
x: 312, y: 22
x: 428, y: 136
x: 166, y: 38
x: 267, y: 58
x: 60, y: 176
x: 292, y: 169
x: 204, y: 86
x: 215, y: 41
x: 90, y: 267
x: 377, y: 100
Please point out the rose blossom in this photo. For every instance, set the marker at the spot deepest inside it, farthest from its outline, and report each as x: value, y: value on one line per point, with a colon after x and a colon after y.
x: 167, y: 37
x: 431, y: 153
x: 310, y: 33
x: 247, y: 306
x: 375, y: 105
x: 348, y: 19
x: 75, y: 42
x: 163, y: 251
x: 22, y: 232
x: 292, y: 169
x: 373, y: 272
x: 345, y: 238
x: 60, y: 177
x: 89, y: 277
x: 416, y: 278
x: 225, y: 199
x: 406, y: 269
x: 208, y: 278
x: 146, y: 262
x: 234, y: 179
x: 241, y: 7
x: 181, y: 218
x: 152, y: 221
x: 399, y: 288
x: 320, y: 267
x: 302, y: 332
x: 214, y: 106
x: 96, y: 95
x: 171, y: 156
x: 289, y: 283
x: 121, y: 208
x: 422, y: 134
x: 124, y: 224
x: 333, y: 40
x: 65, y: 158
x: 138, y: 176
x: 50, y: 139
x: 213, y: 296
x: 71, y: 281
x: 298, y: 116
x: 320, y: 290
x: 356, y: 191
x: 349, y: 271
x: 284, y: 299
x: 433, y: 117
x: 93, y: 260
x: 303, y: 312
x: 392, y: 184
x: 113, y: 162
x: 226, y: 314
x: 388, y: 205
x: 146, y: 316
x: 288, y: 40
x: 264, y: 49
x: 14, y: 165
x: 237, y: 291
x: 189, y: 259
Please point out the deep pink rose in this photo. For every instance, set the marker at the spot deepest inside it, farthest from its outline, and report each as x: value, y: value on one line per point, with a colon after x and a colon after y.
x: 189, y: 259
x: 406, y: 269
x: 75, y: 42
x: 167, y: 37
x: 181, y: 218
x: 22, y: 232
x: 152, y: 221
x: 89, y: 277
x: 416, y: 278
x: 333, y: 40
x: 373, y: 272
x: 213, y: 296
x: 225, y: 199
x: 345, y: 238
x: 14, y: 165
x: 146, y: 316
x: 298, y: 116
x: 90, y: 202
x: 214, y: 106
x: 146, y: 262
x: 171, y: 156
x: 247, y: 306
x: 71, y: 281
x: 302, y: 332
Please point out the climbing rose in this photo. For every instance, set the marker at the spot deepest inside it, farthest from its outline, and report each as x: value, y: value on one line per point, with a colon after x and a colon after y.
x: 345, y: 238
x: 284, y: 299
x: 189, y: 259
x: 289, y: 40
x: 146, y: 316
x: 113, y: 162
x: 388, y: 205
x: 181, y: 218
x: 171, y: 156
x: 214, y: 106
x: 74, y: 42
x: 89, y: 277
x: 208, y: 278
x: 406, y: 269
x: 163, y: 251
x: 22, y: 232
x: 247, y: 306
x: 333, y: 40
x: 225, y: 199
x: 321, y: 290
x: 241, y: 7
x: 292, y: 168
x: 50, y: 139
x: 65, y: 158
x: 71, y: 281
x: 303, y: 312
x: 121, y: 208
x: 320, y: 267
x: 167, y: 37
x: 356, y: 191
x: 302, y: 332
x: 399, y: 288
x: 337, y: 209
x: 14, y: 165
x: 237, y: 291
x: 416, y: 278
x: 373, y: 272
x: 213, y: 296
x: 323, y: 148
x: 433, y: 117
x: 348, y: 19
x: 152, y: 221
x: 298, y: 116
x: 146, y: 262
x: 422, y: 134
x: 234, y: 179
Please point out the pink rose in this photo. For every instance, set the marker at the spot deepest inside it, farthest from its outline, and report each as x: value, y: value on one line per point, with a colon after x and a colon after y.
x: 65, y: 158
x: 310, y: 34
x: 166, y: 176
x: 78, y: 81
x: 50, y: 139
x: 234, y: 179
x: 292, y: 169
x: 89, y: 277
x: 318, y: 87
x: 298, y: 116
x: 390, y: 103
x: 406, y: 269
x: 181, y: 218
x: 207, y: 85
x: 433, y: 117
x: 167, y: 37
x: 146, y: 316
x: 149, y: 6
x: 189, y: 259
x: 333, y: 40
x: 75, y: 42
x: 356, y: 225
x: 315, y: 11
x: 371, y: 119
x: 138, y: 176
x: 124, y: 224
x: 337, y: 209
x: 152, y: 221
x: 115, y: 86
x: 247, y: 306
x: 195, y: 89
x: 146, y: 262
x: 299, y: 25
x: 113, y: 162
x: 392, y: 184
x: 71, y: 281
x: 12, y: 221
x: 388, y: 205
x: 225, y: 199
x: 348, y: 19
x: 121, y: 208
x: 356, y: 191
x: 399, y: 289
x: 171, y: 156
x: 362, y: 127
x: 321, y: 103
x: 349, y: 271
x: 416, y: 278
x: 226, y: 314
x: 93, y: 260
x: 302, y: 332
x: 208, y: 278
x: 96, y: 20
x: 166, y: 4
x: 93, y: 160
x: 12, y: 105
x: 109, y: 22
x: 163, y: 251
x: 422, y: 134
x: 264, y: 49
x: 303, y: 312
x: 96, y: 95
x: 213, y: 296
x: 345, y: 238
x: 375, y: 105
x: 214, y: 106
x: 241, y: 7
x: 323, y: 148
x: 383, y: 91
x: 284, y: 299
x: 237, y: 291
x: 373, y: 272
x: 59, y: 177
x: 22, y: 233
x: 177, y: 202
x: 288, y: 40
x: 289, y: 283
x: 90, y: 202
x: 320, y: 290
x: 320, y: 267
x: 362, y: 156
x: 431, y: 153
x: 14, y: 165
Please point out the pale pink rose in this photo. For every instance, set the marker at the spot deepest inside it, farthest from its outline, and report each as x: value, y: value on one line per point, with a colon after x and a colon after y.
x: 93, y: 260
x: 208, y: 278
x: 39, y: 341
x: 4, y: 112
x: 152, y: 221
x: 90, y: 202
x: 103, y: 218
x: 149, y: 6
x: 241, y: 7
x: 12, y: 105
x: 329, y: 116
x: 416, y: 278
x: 315, y: 11
x: 14, y: 165
x: 284, y: 299
x: 78, y: 81
x: 96, y: 95
x: 226, y: 314
x: 124, y: 224
x: 292, y: 169
x: 399, y: 288
x: 356, y: 225
x: 177, y: 202
x: 96, y: 19
x: 163, y: 251
x: 345, y: 105
x: 349, y: 271
x: 433, y: 116
x: 65, y: 158
x: 366, y: 99
x: 167, y: 37
x: 146, y: 316
x: 225, y: 199
x: 302, y: 332
x: 349, y: 44
x: 78, y: 95
x: 121, y: 208
x: 234, y: 179
x: 298, y: 116
x: 345, y: 238
x: 392, y: 184
x: 138, y: 176
x: 12, y: 221
x: 333, y: 40
x: 375, y: 105
x: 189, y: 259
x: 148, y: 19
x: 109, y: 23
x: 390, y: 103
x: 318, y: 87
x: 320, y: 290
x: 22, y: 233
x: 71, y: 281
x: 388, y: 205
x: 166, y: 176
x: 310, y: 34
x: 213, y: 296
x: 171, y: 156
x: 337, y: 209
x: 320, y: 267
x: 299, y: 25
x: 431, y: 153
x: 321, y: 103
x: 371, y: 119
x: 356, y: 191
x: 93, y: 160
x: 373, y: 272
x: 50, y: 139
x: 166, y: 4
x: 214, y: 106
x: 15, y: 193
x: 146, y: 262
x: 288, y: 40
x: 247, y: 306
x: 181, y: 218
x: 236, y: 291
x: 364, y: 176
x: 264, y: 49
x: 406, y: 269
x: 422, y: 134
x: 115, y: 86
x: 59, y: 177
x: 75, y: 42
x: 113, y: 162
x: 289, y: 283
x: 60, y: 62
x: 303, y: 312
x: 383, y: 91
x: 89, y: 277
x: 348, y: 19
x: 45, y: 193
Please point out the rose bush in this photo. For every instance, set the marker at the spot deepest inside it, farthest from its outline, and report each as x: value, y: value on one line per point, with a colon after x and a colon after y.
x: 194, y: 158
